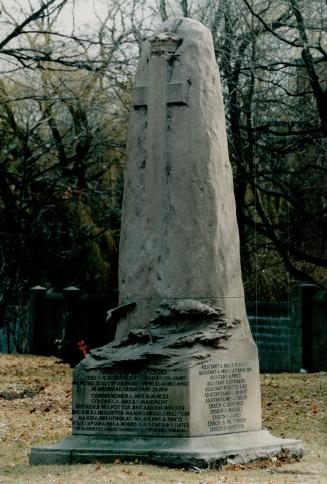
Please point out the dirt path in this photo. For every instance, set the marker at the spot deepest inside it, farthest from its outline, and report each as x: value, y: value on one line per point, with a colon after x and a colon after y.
x: 35, y: 407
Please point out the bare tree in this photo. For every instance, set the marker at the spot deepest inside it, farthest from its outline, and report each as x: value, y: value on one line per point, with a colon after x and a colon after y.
x: 274, y: 67
x: 272, y: 57
x: 65, y: 96
x: 64, y: 101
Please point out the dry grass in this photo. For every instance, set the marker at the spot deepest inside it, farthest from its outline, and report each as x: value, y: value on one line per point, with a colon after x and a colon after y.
x: 35, y: 403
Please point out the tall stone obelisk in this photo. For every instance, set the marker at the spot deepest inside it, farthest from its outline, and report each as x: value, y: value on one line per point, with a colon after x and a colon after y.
x: 179, y: 237
x: 180, y: 383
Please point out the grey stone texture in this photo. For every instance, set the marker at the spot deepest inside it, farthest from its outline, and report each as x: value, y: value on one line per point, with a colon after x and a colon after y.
x: 180, y: 384
x: 219, y: 396
x: 197, y: 452
x: 179, y: 231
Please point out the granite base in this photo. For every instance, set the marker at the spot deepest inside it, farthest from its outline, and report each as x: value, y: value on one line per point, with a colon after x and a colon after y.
x: 188, y: 452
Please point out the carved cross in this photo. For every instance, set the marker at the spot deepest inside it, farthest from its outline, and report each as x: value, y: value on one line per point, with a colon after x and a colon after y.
x: 163, y: 49
x: 158, y: 93
x: 175, y: 94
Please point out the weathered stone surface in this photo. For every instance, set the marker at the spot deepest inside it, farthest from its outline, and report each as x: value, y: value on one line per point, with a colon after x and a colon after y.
x: 219, y: 396
x: 180, y: 283
x: 179, y: 237
x: 182, y: 334
x: 196, y: 452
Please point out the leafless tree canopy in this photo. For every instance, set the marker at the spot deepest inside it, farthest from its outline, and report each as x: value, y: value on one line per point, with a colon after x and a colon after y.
x: 65, y: 94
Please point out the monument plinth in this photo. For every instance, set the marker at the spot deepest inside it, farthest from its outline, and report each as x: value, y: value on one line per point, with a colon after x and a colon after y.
x: 180, y: 383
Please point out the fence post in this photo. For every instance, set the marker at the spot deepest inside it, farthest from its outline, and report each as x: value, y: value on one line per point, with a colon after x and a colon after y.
x: 37, y: 294
x: 319, y: 330
x: 71, y: 296
x: 301, y: 321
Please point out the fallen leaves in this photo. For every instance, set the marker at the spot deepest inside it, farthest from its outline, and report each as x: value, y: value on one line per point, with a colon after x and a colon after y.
x: 294, y: 404
x: 35, y: 401
x: 315, y: 408
x: 40, y: 412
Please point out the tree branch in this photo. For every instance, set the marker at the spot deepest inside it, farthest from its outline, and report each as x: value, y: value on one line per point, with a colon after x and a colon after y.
x: 34, y: 16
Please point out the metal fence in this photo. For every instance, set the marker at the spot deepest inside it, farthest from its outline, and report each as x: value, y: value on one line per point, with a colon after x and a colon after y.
x: 290, y: 335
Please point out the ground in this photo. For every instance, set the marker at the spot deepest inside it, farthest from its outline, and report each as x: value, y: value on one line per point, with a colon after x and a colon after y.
x: 35, y: 408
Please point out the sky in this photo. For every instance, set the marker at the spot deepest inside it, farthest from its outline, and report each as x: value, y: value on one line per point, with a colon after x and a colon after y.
x: 76, y: 15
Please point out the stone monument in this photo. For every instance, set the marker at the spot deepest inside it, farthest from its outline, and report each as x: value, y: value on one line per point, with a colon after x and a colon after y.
x: 179, y: 385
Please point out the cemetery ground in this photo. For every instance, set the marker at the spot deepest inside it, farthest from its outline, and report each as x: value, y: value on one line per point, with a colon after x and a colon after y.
x: 35, y: 408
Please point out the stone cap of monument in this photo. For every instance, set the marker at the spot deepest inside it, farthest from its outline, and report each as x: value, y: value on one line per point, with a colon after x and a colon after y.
x: 169, y: 37
x: 182, y: 25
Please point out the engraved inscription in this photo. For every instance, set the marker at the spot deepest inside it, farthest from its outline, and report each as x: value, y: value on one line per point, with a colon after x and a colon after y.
x: 123, y: 402
x: 225, y: 393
